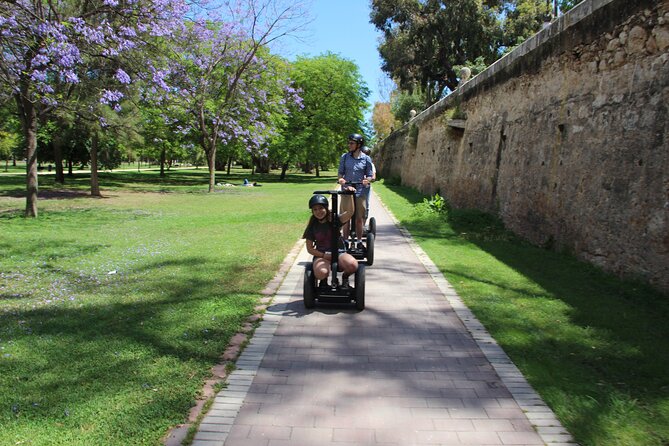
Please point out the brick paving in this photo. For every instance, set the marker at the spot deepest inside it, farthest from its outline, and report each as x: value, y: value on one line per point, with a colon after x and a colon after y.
x: 414, y: 368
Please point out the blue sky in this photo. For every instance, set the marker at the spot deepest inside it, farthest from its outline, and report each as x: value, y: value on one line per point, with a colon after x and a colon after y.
x: 342, y: 27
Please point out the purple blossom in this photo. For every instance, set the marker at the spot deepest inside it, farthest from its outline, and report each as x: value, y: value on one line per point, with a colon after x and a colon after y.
x: 70, y: 77
x: 110, y: 96
x: 40, y: 59
x: 39, y: 76
x: 122, y: 76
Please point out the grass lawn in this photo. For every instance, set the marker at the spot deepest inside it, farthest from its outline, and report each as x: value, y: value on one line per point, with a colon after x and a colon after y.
x: 595, y: 347
x: 114, y: 309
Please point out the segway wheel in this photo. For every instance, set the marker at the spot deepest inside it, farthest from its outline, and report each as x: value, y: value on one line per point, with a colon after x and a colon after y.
x: 360, y: 288
x: 372, y: 226
x: 370, y: 249
x: 309, y: 290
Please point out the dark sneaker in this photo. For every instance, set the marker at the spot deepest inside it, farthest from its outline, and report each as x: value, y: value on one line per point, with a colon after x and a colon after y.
x: 344, y: 284
x: 360, y: 245
x: 323, y: 285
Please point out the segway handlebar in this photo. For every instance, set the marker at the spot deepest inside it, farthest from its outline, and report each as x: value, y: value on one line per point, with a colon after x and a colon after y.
x: 339, y: 191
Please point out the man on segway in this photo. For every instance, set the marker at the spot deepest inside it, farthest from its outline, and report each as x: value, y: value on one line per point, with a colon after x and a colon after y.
x: 356, y: 167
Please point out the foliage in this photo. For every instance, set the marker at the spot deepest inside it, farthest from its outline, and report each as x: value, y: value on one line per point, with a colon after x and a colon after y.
x: 74, y: 54
x: 383, y: 120
x: 10, y: 138
x: 423, y: 41
x: 402, y: 103
x: 435, y: 204
x: 218, y: 65
x: 333, y: 100
x: 523, y: 19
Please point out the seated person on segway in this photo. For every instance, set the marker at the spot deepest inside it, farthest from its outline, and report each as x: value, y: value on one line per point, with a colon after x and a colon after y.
x: 319, y: 240
x: 356, y: 167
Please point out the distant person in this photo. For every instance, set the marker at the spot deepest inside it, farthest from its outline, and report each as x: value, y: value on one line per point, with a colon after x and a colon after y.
x: 356, y: 167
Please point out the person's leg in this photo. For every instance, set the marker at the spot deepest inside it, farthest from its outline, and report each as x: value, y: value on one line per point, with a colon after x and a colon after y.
x: 368, y: 191
x: 347, y: 205
x: 361, y: 205
x: 321, y: 268
x: 348, y: 265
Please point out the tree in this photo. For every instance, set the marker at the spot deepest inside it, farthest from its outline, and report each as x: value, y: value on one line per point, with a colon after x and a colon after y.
x: 426, y: 41
x: 423, y: 40
x: 523, y: 18
x: 333, y: 101
x: 218, y: 66
x: 383, y: 120
x: 402, y: 103
x: 49, y: 46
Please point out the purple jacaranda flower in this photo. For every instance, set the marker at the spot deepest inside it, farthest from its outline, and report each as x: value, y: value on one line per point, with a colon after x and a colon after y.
x: 39, y: 76
x: 110, y: 96
x: 122, y: 76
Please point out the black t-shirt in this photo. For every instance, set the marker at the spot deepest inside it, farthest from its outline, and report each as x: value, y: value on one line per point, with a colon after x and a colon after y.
x: 320, y: 233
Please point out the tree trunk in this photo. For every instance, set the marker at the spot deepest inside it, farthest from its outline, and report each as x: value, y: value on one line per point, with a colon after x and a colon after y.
x: 318, y: 170
x: 211, y: 161
x: 95, y: 185
x: 69, y: 168
x: 284, y: 168
x: 162, y: 162
x: 28, y: 116
x: 58, y: 158
x: 263, y: 164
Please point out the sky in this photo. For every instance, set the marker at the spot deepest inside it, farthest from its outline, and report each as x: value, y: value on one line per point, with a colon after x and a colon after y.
x: 342, y: 27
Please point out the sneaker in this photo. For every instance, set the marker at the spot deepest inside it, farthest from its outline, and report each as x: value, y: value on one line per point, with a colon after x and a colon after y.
x: 360, y: 245
x: 323, y: 285
x: 344, y: 283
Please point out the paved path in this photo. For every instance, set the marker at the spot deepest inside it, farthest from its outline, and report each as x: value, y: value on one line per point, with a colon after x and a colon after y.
x: 413, y: 368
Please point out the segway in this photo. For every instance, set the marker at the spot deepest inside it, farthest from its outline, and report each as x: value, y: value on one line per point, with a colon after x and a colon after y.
x: 366, y: 252
x: 334, y: 292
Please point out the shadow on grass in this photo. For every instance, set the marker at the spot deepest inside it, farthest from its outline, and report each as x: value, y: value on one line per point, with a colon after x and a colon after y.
x: 595, y: 346
x: 148, y: 351
x: 78, y: 185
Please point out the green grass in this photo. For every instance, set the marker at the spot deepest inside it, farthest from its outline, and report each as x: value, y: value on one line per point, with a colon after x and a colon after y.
x: 114, y: 309
x: 595, y: 347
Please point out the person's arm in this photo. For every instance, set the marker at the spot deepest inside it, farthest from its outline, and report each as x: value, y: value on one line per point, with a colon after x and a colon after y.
x: 342, y: 169
x: 369, y: 172
x: 311, y: 249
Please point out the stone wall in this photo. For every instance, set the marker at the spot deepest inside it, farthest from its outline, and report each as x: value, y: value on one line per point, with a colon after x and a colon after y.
x: 566, y: 138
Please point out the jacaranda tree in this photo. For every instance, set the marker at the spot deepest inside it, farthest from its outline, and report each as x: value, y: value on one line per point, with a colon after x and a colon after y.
x: 50, y: 46
x: 217, y: 67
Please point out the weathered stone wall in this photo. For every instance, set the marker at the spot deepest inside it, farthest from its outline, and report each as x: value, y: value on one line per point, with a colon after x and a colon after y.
x: 566, y: 138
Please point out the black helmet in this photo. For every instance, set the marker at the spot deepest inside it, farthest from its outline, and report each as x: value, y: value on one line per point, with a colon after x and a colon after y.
x: 357, y: 137
x: 318, y: 199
